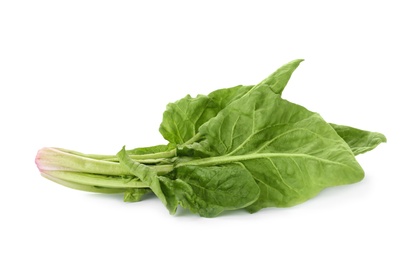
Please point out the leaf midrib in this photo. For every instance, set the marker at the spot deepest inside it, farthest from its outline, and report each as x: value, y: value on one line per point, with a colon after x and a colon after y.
x: 220, y: 160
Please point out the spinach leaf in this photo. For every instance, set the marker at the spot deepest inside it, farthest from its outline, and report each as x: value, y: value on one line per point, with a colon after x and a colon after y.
x: 290, y: 151
x: 360, y: 141
x: 183, y: 117
x: 181, y: 121
x: 292, y: 158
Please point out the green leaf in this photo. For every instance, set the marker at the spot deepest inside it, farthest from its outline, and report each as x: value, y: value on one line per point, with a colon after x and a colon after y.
x: 360, y: 141
x: 149, y: 176
x: 210, y: 190
x: 182, y: 119
x: 291, y: 152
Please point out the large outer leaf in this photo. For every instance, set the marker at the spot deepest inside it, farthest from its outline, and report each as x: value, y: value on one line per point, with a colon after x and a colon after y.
x: 291, y: 152
x: 292, y: 155
x: 181, y: 123
x: 210, y: 190
x: 360, y: 141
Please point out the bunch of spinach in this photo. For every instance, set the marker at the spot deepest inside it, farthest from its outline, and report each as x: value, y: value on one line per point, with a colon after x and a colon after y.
x: 240, y: 147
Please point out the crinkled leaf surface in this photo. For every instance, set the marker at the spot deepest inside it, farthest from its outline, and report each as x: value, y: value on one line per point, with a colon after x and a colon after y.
x: 182, y: 119
x: 179, y: 117
x: 210, y: 190
x: 292, y: 154
x: 360, y: 141
x: 290, y: 151
x: 292, y: 157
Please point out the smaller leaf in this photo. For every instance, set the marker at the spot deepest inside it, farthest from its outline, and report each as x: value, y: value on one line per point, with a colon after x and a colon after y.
x: 182, y: 119
x: 360, y: 141
x: 135, y: 195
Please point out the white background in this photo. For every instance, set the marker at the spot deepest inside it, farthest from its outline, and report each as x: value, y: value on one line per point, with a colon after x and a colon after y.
x: 93, y: 76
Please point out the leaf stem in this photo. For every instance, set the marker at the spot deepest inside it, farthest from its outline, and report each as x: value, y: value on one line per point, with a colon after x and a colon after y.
x: 83, y: 187
x: 219, y: 160
x: 195, y: 138
x: 57, y: 159
x: 120, y: 182
x: 163, y: 169
x: 113, y: 158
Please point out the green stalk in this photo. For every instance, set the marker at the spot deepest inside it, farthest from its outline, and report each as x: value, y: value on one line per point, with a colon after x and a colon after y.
x: 59, y: 159
x: 142, y: 158
x: 56, y: 159
x: 96, y: 180
x: 83, y: 187
x: 81, y: 172
x: 195, y: 138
